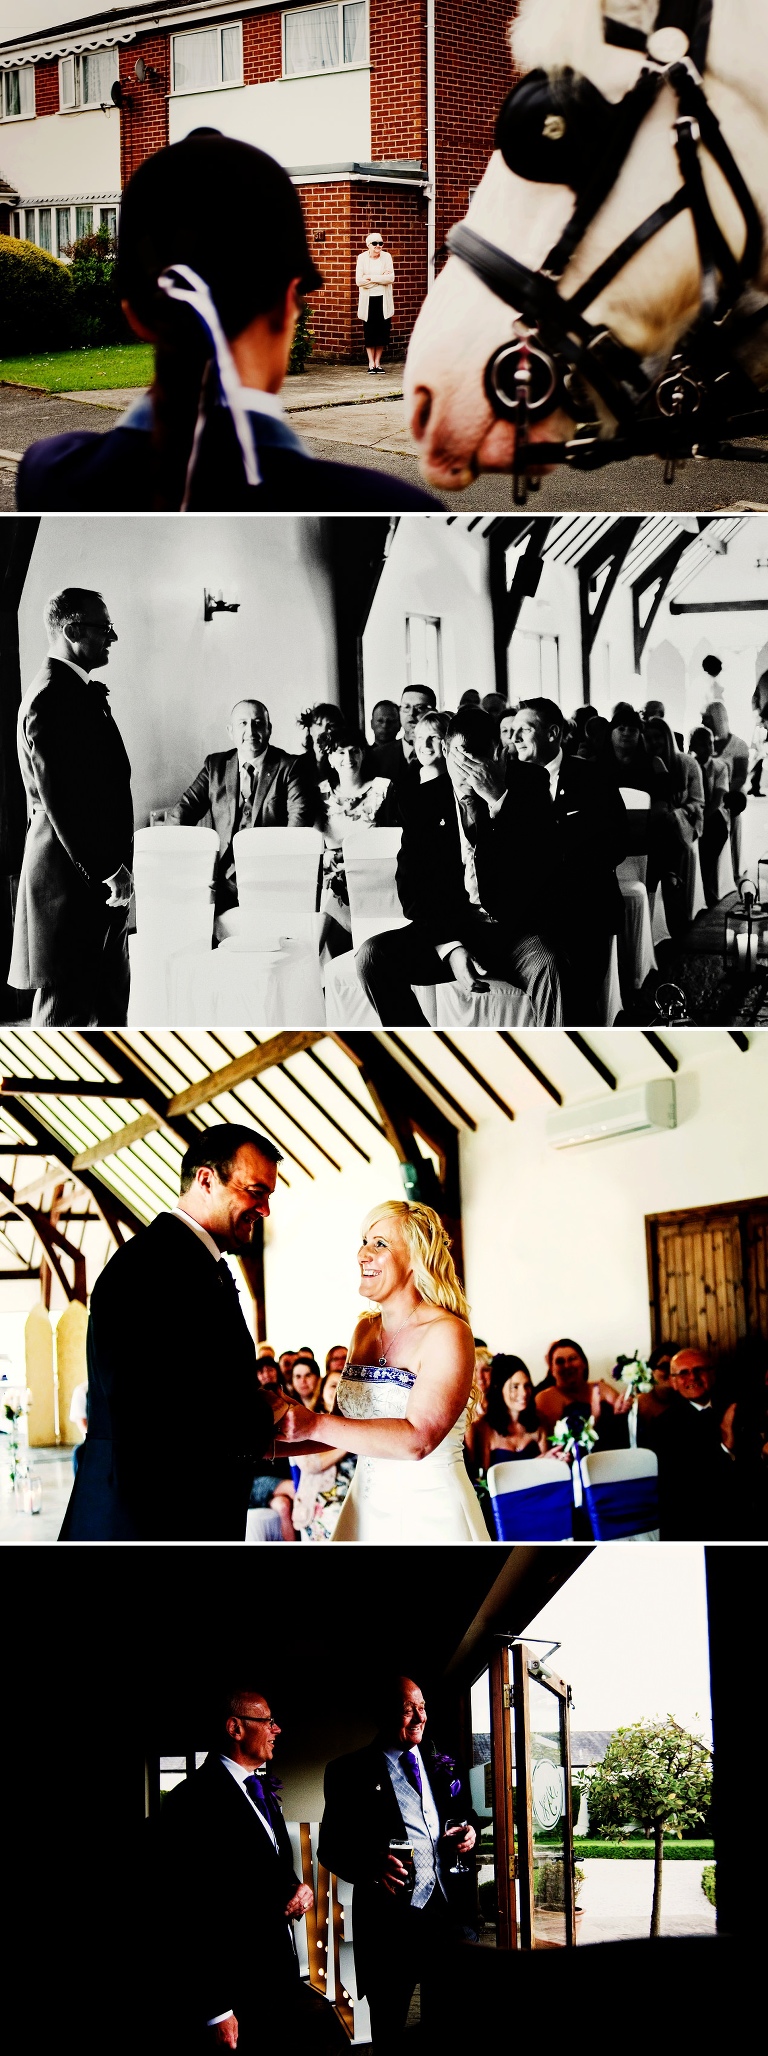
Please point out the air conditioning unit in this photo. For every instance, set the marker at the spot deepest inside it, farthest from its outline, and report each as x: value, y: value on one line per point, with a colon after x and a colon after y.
x: 646, y: 1110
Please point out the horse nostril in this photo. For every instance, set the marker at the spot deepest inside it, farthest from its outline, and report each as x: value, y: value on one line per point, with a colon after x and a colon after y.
x: 421, y: 412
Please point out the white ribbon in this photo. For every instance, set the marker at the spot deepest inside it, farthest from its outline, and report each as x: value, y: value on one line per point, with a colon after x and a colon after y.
x: 197, y: 295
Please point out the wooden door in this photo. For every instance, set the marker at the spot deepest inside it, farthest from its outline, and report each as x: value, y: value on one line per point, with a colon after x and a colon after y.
x: 708, y: 1275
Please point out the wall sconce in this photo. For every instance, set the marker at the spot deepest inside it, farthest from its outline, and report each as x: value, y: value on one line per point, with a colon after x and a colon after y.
x: 215, y: 603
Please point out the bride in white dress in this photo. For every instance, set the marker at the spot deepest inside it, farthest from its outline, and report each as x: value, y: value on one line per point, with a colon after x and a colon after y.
x: 403, y: 1394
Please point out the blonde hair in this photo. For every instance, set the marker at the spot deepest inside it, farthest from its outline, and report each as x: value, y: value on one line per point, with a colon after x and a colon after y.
x: 434, y: 1271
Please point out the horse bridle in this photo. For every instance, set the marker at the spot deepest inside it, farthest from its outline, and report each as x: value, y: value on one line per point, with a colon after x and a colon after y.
x: 557, y: 357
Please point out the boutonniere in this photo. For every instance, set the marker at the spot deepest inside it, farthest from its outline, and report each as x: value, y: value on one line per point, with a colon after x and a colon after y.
x: 447, y: 1765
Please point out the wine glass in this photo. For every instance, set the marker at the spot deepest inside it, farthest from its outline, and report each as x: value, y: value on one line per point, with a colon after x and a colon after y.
x: 457, y: 1869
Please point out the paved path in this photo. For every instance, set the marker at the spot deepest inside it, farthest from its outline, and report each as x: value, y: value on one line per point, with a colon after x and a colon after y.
x: 341, y: 412
x: 617, y: 1895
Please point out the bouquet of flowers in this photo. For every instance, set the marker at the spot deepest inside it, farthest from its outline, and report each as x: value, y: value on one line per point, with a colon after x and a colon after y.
x: 14, y: 1407
x: 635, y: 1372
x: 574, y: 1441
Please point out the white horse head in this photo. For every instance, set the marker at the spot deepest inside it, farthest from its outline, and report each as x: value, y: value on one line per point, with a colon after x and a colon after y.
x: 656, y: 295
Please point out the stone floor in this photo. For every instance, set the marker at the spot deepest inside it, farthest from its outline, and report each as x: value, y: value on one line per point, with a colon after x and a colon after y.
x: 54, y: 1468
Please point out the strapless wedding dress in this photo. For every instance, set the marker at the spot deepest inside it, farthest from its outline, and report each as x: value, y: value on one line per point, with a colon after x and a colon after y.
x: 392, y: 1499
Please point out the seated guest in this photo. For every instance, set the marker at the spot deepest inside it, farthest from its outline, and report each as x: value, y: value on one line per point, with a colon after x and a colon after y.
x: 221, y: 312
x: 267, y: 1367
x: 740, y: 1404
x: 286, y: 1360
x: 252, y: 785
x: 307, y: 1382
x: 734, y: 753
x: 335, y: 1359
x: 320, y: 724
x: 506, y: 744
x: 429, y: 743
x: 397, y: 760
x: 687, y: 1441
x: 353, y: 800
x: 714, y: 834
x: 325, y: 1476
x: 683, y: 811
x: 474, y: 874
x: 510, y: 1427
x: 568, y: 1387
x: 482, y: 1378
x: 631, y: 763
x: 470, y: 698
x: 758, y: 749
x: 590, y: 828
x: 385, y: 721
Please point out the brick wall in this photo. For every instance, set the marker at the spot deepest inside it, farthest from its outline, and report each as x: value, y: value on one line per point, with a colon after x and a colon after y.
x: 262, y: 47
x: 473, y: 64
x: 338, y: 218
x: 144, y: 113
x: 47, y: 87
x: 399, y: 77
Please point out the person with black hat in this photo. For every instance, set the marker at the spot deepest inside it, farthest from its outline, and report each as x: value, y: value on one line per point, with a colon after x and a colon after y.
x: 220, y: 305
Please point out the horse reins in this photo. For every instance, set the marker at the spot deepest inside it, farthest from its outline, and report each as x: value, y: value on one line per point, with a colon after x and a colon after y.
x: 558, y: 352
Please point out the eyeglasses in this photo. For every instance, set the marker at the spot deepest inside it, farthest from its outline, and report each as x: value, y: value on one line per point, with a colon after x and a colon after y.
x: 258, y: 1720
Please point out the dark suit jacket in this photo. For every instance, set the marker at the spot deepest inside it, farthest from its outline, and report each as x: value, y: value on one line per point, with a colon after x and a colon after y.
x: 388, y: 760
x: 91, y: 473
x: 222, y: 1891
x: 77, y: 780
x: 516, y: 858
x: 695, y: 1476
x: 591, y: 830
x: 281, y: 800
x: 177, y: 1423
x: 361, y: 1817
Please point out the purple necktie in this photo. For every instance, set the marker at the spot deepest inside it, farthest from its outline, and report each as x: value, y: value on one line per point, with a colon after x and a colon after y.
x: 410, y: 1764
x: 255, y: 1789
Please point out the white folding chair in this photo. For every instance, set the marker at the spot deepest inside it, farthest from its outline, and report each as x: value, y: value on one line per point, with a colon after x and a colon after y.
x: 696, y: 898
x: 262, y: 1524
x: 637, y: 936
x: 369, y: 856
x: 724, y: 880
x: 173, y: 883
x: 621, y: 1494
x: 278, y: 878
x: 532, y: 1501
x: 266, y: 967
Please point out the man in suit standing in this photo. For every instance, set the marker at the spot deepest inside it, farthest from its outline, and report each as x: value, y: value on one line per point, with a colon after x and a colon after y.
x: 177, y: 1421
x: 253, y: 785
x: 474, y: 876
x: 590, y: 832
x: 70, y: 940
x: 397, y: 760
x: 227, y: 1889
x: 395, y: 1790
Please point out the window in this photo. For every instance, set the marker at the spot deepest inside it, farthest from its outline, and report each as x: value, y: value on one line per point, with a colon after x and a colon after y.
x: 63, y: 235
x: 44, y: 228
x: 87, y: 81
x: 534, y: 666
x: 29, y: 229
x: 109, y: 221
x: 207, y: 59
x: 83, y: 222
x: 325, y: 38
x: 18, y: 92
x: 423, y: 655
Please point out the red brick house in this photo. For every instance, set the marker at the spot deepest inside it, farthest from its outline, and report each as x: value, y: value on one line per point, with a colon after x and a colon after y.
x: 382, y: 111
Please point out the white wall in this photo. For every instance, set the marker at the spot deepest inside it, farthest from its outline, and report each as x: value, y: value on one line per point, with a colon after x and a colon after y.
x: 63, y: 155
x: 311, y: 1244
x: 555, y: 1241
x: 172, y: 677
x: 298, y: 121
x: 431, y: 569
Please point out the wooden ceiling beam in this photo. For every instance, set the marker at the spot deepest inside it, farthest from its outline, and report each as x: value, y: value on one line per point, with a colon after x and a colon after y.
x: 262, y: 1057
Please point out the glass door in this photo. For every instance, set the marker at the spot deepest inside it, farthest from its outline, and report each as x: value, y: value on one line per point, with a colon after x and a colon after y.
x: 539, y: 1717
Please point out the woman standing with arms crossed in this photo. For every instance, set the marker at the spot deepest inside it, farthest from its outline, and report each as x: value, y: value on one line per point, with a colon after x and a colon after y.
x: 375, y: 307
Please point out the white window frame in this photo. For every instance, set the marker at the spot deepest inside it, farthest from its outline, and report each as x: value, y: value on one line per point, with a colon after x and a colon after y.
x: 78, y: 105
x: 222, y: 85
x: 27, y: 113
x: 330, y: 71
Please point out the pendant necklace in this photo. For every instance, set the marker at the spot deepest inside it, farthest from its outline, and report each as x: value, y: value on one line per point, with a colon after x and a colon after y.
x: 383, y: 1365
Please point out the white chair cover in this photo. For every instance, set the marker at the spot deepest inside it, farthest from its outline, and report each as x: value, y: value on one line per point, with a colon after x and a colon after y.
x: 724, y: 880
x: 239, y: 983
x: 263, y: 1525
x: 610, y: 1000
x: 659, y: 930
x: 620, y: 1491
x: 278, y: 878
x: 173, y: 883
x: 635, y: 801
x: 532, y: 1501
x: 637, y: 936
x: 691, y: 871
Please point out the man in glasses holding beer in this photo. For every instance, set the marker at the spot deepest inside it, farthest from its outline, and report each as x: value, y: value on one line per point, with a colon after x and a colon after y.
x: 397, y: 1824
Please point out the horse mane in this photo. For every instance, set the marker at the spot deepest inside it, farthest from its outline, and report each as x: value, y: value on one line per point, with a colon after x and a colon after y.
x: 553, y: 33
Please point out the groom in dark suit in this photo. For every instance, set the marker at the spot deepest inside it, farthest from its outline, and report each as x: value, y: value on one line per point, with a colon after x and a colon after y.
x: 395, y: 1790
x: 252, y: 785
x: 227, y: 1893
x: 177, y: 1421
x: 70, y: 940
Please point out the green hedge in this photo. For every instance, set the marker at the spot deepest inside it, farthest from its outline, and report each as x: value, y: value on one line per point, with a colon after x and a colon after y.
x: 35, y: 299
x: 708, y: 1883
x: 673, y: 1850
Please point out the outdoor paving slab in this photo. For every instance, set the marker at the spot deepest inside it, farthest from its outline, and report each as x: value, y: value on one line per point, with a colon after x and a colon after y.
x: 380, y: 428
x: 617, y: 1894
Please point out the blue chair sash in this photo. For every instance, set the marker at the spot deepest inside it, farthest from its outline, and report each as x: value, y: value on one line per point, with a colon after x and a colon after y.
x: 628, y: 1507
x: 543, y: 1513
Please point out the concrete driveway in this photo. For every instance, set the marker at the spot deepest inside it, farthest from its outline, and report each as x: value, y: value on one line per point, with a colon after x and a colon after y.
x: 617, y: 1895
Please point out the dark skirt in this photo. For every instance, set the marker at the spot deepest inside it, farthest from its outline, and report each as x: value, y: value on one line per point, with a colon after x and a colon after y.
x: 376, y: 329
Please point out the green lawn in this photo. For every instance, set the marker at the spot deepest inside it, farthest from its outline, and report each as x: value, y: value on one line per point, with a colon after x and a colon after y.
x: 82, y: 371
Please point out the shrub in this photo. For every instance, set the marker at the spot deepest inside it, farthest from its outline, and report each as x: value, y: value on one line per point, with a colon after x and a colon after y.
x: 635, y: 1846
x: 35, y: 299
x: 97, y: 316
x: 708, y: 1883
x: 301, y: 347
